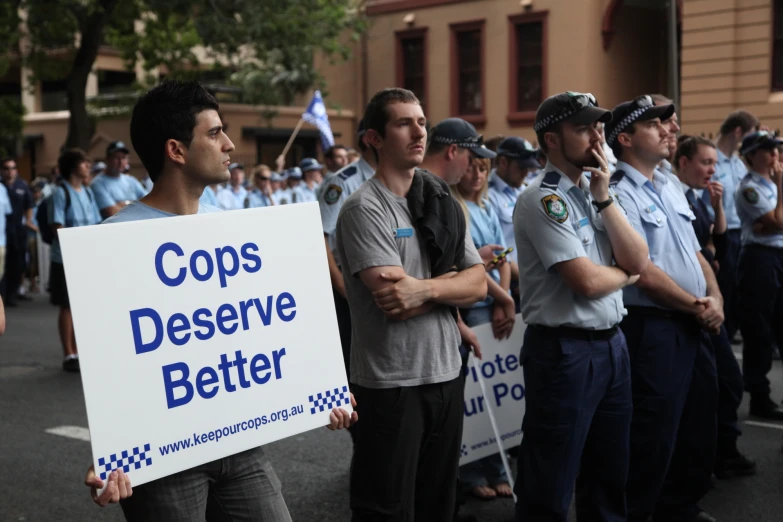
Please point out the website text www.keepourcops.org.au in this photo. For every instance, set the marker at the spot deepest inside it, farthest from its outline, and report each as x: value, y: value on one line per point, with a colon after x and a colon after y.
x: 217, y: 434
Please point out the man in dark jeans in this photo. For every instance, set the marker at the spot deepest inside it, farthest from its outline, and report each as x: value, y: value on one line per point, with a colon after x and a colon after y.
x: 405, y: 361
x: 17, y: 223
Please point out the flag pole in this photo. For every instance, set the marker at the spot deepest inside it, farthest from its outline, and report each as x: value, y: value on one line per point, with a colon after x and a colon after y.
x: 293, y: 137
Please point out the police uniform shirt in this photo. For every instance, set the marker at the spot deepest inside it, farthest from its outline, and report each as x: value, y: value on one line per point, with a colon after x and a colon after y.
x: 729, y: 172
x: 257, y: 199
x: 110, y: 190
x: 147, y: 184
x: 503, y: 198
x: 659, y: 211
x: 304, y: 194
x: 554, y: 222
x: 282, y: 196
x: 230, y: 200
x: 336, y: 189
x: 5, y: 210
x: 209, y: 197
x: 82, y: 211
x: 757, y: 196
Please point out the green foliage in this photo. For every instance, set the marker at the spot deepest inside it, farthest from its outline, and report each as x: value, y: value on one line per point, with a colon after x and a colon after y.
x: 11, y: 114
x: 267, y: 46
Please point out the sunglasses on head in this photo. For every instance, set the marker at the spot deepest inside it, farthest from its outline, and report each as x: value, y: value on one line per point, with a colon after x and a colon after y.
x: 580, y: 100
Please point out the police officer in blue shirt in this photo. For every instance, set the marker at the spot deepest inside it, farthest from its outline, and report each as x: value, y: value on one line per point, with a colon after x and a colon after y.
x: 113, y: 188
x: 760, y: 291
x: 307, y: 190
x: 516, y: 158
x: 576, y: 253
x: 695, y: 161
x: 335, y: 190
x: 675, y: 301
x: 261, y: 193
x: 730, y: 170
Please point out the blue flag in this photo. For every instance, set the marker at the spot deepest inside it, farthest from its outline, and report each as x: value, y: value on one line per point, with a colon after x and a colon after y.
x: 316, y: 115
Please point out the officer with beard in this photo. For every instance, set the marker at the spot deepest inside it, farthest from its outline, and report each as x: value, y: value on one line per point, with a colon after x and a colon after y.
x: 577, y: 252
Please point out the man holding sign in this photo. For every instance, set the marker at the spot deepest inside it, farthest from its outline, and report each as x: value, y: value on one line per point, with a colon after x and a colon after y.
x: 576, y: 253
x: 403, y: 276
x: 178, y: 135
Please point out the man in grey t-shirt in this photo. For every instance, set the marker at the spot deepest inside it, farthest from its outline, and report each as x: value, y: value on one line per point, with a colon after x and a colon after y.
x: 405, y: 362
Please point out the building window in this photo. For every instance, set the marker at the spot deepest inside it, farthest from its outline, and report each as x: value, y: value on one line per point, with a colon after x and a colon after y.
x: 467, y: 79
x: 527, y: 66
x: 777, y: 46
x: 412, y: 63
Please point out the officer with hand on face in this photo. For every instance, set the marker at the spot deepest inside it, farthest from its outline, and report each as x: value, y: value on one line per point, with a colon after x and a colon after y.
x: 671, y: 310
x: 577, y: 251
x: 760, y: 209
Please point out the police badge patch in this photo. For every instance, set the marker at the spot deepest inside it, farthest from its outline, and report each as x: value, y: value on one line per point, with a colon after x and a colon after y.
x: 332, y: 194
x: 751, y: 195
x: 555, y: 207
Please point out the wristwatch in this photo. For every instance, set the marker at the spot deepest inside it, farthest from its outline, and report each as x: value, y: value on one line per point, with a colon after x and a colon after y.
x: 603, y: 204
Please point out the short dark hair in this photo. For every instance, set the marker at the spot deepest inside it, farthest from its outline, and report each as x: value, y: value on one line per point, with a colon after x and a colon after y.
x: 688, y: 146
x: 557, y: 128
x: 167, y: 112
x: 6, y: 160
x: 434, y: 148
x: 330, y: 151
x: 376, y: 116
x: 69, y: 160
x: 617, y: 148
x: 742, y: 119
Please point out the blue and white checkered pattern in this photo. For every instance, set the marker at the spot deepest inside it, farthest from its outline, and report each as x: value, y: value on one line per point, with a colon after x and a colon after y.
x: 135, y: 457
x: 551, y: 120
x: 329, y: 399
x: 625, y: 123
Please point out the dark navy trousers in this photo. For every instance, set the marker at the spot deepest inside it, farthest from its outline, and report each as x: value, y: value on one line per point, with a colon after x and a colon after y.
x: 730, y: 389
x: 576, y: 427
x: 761, y: 317
x: 727, y: 280
x: 673, y: 432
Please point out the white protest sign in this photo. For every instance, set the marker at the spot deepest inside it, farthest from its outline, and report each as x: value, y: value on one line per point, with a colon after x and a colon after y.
x: 202, y: 336
x: 503, y: 380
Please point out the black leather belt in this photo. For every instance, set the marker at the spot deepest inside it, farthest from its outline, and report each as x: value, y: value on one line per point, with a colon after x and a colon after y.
x: 653, y: 311
x: 577, y: 333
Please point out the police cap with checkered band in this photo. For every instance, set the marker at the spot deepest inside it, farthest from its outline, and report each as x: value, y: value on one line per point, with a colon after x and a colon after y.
x: 576, y: 107
x: 627, y: 113
x: 463, y: 134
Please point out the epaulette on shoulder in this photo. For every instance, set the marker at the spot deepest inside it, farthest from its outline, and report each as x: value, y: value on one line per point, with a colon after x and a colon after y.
x: 616, y: 177
x: 551, y: 180
x: 347, y: 172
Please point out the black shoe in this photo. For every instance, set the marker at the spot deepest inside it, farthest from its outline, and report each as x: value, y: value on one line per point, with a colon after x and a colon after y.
x: 11, y: 304
x: 703, y: 516
x: 734, y: 466
x: 24, y: 297
x: 763, y: 407
x: 71, y: 365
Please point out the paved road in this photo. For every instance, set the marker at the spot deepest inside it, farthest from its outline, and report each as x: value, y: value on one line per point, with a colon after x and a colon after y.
x: 41, y: 473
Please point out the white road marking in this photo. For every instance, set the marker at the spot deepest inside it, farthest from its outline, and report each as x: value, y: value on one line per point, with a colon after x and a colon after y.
x: 765, y: 425
x: 72, y: 432
x: 738, y: 355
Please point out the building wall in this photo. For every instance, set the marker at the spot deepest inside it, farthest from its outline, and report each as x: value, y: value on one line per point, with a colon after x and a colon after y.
x: 633, y: 64
x: 726, y: 63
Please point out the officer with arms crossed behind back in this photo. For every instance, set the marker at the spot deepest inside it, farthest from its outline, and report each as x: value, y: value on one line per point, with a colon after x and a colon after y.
x: 576, y: 252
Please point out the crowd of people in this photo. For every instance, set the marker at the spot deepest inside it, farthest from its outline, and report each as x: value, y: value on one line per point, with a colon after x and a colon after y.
x: 634, y: 255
